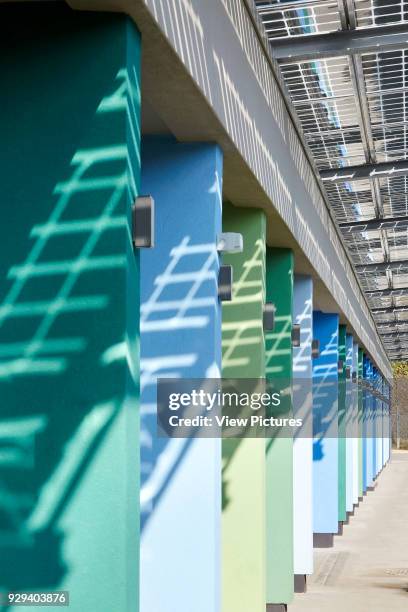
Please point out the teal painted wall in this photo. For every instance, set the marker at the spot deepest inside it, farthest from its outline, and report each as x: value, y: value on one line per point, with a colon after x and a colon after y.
x: 69, y: 303
x: 279, y: 451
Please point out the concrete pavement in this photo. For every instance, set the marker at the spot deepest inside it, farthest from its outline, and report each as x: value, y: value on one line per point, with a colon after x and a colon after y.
x: 367, y: 569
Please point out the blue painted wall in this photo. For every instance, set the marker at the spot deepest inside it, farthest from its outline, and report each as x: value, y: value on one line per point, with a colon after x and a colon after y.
x: 325, y: 424
x: 180, y: 337
x: 368, y: 442
x: 377, y: 450
x: 387, y: 422
x: 350, y: 424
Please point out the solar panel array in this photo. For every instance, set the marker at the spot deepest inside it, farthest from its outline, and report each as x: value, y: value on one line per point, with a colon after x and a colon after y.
x: 352, y: 109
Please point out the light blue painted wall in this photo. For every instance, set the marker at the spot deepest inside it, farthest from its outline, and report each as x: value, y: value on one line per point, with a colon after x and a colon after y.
x: 350, y: 423
x: 303, y: 444
x: 375, y: 404
x: 371, y: 432
x: 377, y: 424
x: 180, y: 337
x: 325, y: 424
x: 355, y: 425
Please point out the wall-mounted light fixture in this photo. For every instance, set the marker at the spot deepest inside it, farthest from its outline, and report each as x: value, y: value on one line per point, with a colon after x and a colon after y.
x: 143, y: 222
x: 354, y: 377
x: 269, y: 316
x: 340, y: 366
x: 230, y: 242
x: 225, y: 280
x: 315, y: 349
x: 348, y: 372
x: 296, y: 335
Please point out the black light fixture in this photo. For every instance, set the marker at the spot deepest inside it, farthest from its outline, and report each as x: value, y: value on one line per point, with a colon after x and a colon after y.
x: 315, y: 349
x: 354, y: 377
x: 296, y: 335
x: 348, y: 372
x: 143, y: 222
x: 340, y: 366
x: 225, y: 280
x: 269, y: 316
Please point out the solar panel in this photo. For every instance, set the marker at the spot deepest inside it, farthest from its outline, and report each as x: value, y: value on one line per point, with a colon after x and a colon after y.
x: 352, y: 110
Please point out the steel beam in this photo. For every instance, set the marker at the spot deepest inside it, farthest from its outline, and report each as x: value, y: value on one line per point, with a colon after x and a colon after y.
x: 287, y: 6
x: 388, y: 292
x: 345, y: 42
x: 395, y: 335
x: 392, y: 309
x: 375, y: 224
x: 365, y: 171
x: 392, y: 325
x: 384, y: 266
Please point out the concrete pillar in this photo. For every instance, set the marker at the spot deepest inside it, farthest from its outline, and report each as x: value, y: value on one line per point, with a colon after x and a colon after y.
x: 342, y: 467
x: 361, y: 412
x: 366, y: 407
x: 378, y: 424
x: 387, y: 428
x: 368, y: 426
x: 180, y: 338
x: 279, y: 451
x: 386, y: 422
x: 243, y: 480
x: 355, y: 425
x: 382, y: 423
x: 303, y: 444
x: 371, y: 429
x: 325, y: 429
x: 69, y: 313
x: 350, y: 424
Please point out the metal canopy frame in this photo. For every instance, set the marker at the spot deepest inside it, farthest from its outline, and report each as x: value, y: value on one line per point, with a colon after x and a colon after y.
x: 372, y: 171
x: 349, y: 42
x: 344, y: 65
x: 384, y: 223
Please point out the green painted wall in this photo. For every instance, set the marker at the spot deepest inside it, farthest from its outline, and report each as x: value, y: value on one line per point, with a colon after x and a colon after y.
x: 243, y: 517
x: 360, y: 424
x: 279, y: 452
x: 69, y: 303
x: 342, y: 423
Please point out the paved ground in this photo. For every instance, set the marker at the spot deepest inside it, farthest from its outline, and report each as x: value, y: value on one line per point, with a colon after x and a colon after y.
x: 367, y: 569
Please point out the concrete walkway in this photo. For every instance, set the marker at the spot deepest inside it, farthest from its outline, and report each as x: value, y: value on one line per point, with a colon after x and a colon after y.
x: 367, y: 569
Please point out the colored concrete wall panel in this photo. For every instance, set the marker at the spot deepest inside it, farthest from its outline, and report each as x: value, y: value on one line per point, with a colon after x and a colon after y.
x: 350, y: 423
x: 70, y: 124
x: 243, y: 485
x: 279, y: 451
x: 355, y: 426
x: 180, y: 338
x: 342, y: 422
x: 303, y: 445
x: 361, y: 423
x: 325, y: 424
